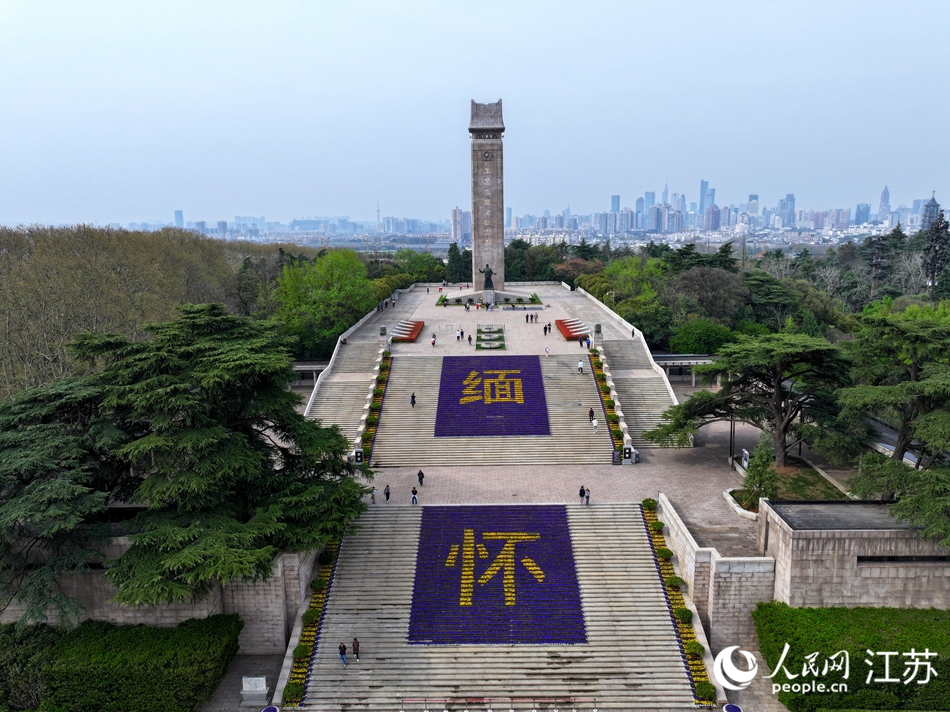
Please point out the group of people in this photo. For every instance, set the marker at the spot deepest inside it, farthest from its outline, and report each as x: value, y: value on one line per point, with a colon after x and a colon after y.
x: 356, y: 651
x: 584, y: 341
x: 584, y: 494
x: 533, y: 319
x: 388, y: 492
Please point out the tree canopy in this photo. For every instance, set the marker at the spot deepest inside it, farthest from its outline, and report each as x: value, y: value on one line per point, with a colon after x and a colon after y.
x: 772, y: 382
x: 195, y: 425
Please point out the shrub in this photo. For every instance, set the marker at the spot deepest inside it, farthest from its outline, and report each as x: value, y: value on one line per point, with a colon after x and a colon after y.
x: 327, y: 557
x: 613, y: 418
x: 302, y: 652
x: 372, y: 420
x: 519, y: 300
x: 601, y: 378
x: 375, y: 407
x: 604, y: 388
x: 378, y: 391
x: 471, y: 300
x: 387, y: 354
x: 311, y: 615
x: 318, y: 584
x: 761, y: 479
x: 649, y: 504
x: 507, y: 299
x: 674, y: 582
x: 598, y: 363
x: 657, y: 526
x: 609, y: 403
x: 458, y: 300
x: 664, y: 553
x: 616, y: 433
x: 25, y: 654
x: 594, y: 351
x: 705, y: 690
x: 683, y: 615
x: 381, y: 378
x: 109, y: 668
x: 383, y: 367
x: 694, y: 647
x: 293, y: 691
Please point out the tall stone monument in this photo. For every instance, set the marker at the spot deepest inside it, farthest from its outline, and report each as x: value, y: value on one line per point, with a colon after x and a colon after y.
x: 488, y: 200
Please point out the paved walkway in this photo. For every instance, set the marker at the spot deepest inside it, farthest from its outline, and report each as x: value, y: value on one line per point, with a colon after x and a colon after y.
x: 227, y: 698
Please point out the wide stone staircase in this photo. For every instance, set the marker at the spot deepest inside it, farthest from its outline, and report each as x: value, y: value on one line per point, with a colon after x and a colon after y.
x: 642, y: 392
x: 342, y: 394
x: 406, y: 435
x: 632, y: 659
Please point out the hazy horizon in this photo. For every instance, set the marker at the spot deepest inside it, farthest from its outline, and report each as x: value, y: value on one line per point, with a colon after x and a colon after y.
x: 121, y: 113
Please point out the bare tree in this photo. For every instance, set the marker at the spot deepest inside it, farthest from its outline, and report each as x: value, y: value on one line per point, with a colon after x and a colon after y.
x: 829, y: 278
x: 911, y: 273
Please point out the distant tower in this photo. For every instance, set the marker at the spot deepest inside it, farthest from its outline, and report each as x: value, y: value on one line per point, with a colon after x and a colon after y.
x: 666, y: 194
x: 615, y: 203
x: 862, y: 214
x: 488, y: 195
x: 703, y: 187
x: 931, y: 211
x: 379, y: 225
x: 884, y: 211
x: 753, y: 204
x: 179, y: 218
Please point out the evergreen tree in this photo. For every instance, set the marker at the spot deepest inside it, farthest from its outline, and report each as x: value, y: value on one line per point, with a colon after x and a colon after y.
x: 936, y: 251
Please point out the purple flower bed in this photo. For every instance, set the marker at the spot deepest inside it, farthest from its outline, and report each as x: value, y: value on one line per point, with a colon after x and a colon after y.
x: 491, y: 396
x: 495, y: 575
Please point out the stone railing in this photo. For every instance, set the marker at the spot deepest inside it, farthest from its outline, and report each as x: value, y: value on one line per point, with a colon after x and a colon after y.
x: 618, y: 409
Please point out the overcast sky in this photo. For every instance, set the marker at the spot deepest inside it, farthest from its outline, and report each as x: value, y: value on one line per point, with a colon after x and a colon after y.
x: 126, y: 111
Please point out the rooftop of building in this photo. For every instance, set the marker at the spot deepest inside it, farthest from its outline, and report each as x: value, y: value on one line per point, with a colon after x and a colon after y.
x: 844, y: 515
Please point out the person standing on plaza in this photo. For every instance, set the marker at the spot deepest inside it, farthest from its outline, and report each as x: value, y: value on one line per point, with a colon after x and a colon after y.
x: 415, y: 496
x: 458, y: 334
x: 547, y: 351
x: 356, y: 649
x: 462, y: 332
x: 386, y: 493
x: 469, y: 339
x: 586, y: 495
x: 580, y: 341
x: 412, y: 399
x: 421, y: 477
x: 588, y: 341
x: 342, y: 650
x: 582, y: 493
x: 525, y: 318
x: 580, y: 367
x: 590, y: 415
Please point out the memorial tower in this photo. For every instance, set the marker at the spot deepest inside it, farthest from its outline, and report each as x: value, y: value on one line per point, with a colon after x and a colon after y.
x: 488, y: 200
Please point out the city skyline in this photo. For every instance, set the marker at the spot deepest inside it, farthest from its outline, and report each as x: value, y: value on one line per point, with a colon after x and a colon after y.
x: 217, y: 110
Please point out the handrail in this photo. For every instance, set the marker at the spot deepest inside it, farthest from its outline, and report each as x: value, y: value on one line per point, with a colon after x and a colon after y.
x: 637, y: 334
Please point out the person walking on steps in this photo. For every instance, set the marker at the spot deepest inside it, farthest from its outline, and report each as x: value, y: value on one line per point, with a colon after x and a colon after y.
x: 586, y: 496
x: 582, y: 493
x: 343, y: 653
x: 415, y: 496
x: 421, y: 477
x: 547, y: 351
x: 372, y: 496
x: 412, y: 399
x: 593, y: 422
x: 590, y: 415
x: 386, y: 493
x: 580, y: 367
x: 356, y: 649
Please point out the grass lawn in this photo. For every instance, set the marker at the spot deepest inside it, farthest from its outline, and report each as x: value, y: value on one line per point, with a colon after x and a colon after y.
x: 798, y: 481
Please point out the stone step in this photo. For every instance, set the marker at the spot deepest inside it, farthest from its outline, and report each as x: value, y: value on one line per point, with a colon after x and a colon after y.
x: 632, y: 659
x: 340, y: 403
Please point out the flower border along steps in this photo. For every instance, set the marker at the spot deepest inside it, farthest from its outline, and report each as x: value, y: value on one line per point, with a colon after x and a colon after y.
x: 632, y: 658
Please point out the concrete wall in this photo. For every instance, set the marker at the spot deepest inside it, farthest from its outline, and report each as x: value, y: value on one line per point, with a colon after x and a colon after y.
x: 736, y: 584
x: 488, y: 211
x: 820, y: 568
x: 724, y: 590
x: 692, y: 561
x: 268, y: 608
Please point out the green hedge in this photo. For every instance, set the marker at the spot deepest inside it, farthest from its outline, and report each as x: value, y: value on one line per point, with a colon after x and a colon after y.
x: 102, y: 667
x: 25, y: 655
x: 857, y: 630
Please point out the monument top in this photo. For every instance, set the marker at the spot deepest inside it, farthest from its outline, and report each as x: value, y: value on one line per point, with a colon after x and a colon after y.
x: 486, y: 117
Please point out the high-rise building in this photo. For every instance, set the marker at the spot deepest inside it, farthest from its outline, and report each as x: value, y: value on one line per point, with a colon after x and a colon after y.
x: 753, y: 208
x: 713, y: 217
x: 508, y: 217
x: 638, y: 220
x: 703, y: 187
x: 786, y: 210
x: 223, y: 228
x: 179, y: 218
x: 456, y: 229
x: 710, y: 197
x: 615, y: 203
x: 666, y: 194
x: 862, y: 214
x: 681, y: 204
x: 649, y: 199
x: 930, y: 214
x: 884, y: 209
x: 201, y: 226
